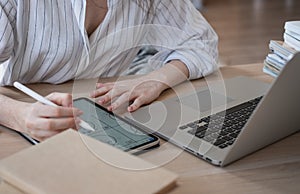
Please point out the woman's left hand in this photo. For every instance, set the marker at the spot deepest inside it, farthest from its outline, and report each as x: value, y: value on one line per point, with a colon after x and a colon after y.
x: 136, y: 92
x: 142, y: 90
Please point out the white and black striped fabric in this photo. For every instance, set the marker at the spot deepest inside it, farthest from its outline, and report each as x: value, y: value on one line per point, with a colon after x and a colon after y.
x: 46, y: 40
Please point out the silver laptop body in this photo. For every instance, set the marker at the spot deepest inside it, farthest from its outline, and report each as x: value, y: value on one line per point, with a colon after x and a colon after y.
x: 275, y: 117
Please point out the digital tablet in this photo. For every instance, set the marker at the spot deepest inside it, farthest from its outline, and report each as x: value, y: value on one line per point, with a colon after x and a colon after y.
x: 113, y: 129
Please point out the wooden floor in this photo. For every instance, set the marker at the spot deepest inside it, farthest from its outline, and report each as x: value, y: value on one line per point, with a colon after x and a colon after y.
x: 245, y: 27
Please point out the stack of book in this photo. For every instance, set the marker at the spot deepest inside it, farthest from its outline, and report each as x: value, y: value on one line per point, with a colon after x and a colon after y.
x: 282, y: 51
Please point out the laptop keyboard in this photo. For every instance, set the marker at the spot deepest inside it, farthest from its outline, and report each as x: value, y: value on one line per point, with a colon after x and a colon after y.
x: 222, y: 129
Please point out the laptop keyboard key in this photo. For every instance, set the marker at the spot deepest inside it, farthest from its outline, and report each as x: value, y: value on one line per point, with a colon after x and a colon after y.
x: 200, y: 134
x: 192, y: 125
x: 222, y: 146
x: 183, y: 127
x: 208, y: 138
x: 234, y: 135
x: 219, y: 142
x: 227, y: 138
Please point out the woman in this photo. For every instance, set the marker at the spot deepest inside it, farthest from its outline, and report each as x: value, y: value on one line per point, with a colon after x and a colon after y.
x: 54, y: 41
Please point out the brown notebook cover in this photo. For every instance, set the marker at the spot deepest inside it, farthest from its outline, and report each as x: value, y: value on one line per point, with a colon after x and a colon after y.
x: 73, y: 163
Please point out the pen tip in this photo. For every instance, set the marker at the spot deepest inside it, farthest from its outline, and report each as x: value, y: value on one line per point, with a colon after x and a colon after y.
x: 86, y: 126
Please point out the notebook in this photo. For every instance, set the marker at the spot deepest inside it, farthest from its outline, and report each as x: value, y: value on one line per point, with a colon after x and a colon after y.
x: 74, y: 163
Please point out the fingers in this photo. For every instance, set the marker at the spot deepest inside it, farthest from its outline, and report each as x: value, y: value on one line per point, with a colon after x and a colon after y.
x: 65, y: 108
x: 53, y: 124
x: 124, y: 98
x: 137, y: 103
x: 42, y: 110
x: 101, y: 89
x: 112, y: 94
x: 43, y: 128
x: 138, y: 91
x: 61, y: 99
x: 137, y: 99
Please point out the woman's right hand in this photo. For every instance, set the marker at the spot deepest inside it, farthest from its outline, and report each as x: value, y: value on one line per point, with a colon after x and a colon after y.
x: 42, y: 121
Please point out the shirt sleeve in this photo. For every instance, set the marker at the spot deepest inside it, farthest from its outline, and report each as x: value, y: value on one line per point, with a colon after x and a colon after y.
x: 188, y: 36
x: 7, y: 12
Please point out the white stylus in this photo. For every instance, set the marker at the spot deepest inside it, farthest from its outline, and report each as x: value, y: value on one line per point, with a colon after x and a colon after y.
x: 43, y: 100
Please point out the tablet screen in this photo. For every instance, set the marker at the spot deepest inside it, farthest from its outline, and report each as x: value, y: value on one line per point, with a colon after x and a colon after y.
x: 111, y: 129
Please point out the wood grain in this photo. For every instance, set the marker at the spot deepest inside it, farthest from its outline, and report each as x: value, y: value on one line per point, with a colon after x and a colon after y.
x: 245, y: 27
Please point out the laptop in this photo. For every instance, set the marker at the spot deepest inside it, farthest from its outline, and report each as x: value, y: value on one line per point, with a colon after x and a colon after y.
x: 228, y: 119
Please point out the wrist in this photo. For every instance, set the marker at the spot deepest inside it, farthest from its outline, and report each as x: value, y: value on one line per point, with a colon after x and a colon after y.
x: 12, y: 113
x: 170, y: 75
x: 19, y: 114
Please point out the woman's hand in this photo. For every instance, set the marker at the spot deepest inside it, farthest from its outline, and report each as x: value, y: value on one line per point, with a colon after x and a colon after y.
x: 137, y: 92
x: 142, y: 90
x: 43, y: 121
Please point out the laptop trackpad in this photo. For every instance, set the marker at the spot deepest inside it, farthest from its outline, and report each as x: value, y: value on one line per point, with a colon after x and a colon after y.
x: 205, y: 100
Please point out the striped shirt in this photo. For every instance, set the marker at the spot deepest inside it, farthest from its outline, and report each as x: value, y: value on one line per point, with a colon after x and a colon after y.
x: 46, y: 40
